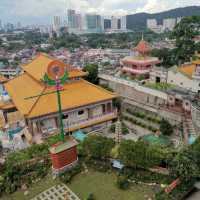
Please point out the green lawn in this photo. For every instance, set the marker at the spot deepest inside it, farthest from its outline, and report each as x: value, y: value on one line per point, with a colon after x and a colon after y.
x: 102, y: 185
x: 36, y: 188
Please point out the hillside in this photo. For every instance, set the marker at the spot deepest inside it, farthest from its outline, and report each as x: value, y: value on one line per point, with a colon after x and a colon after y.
x: 138, y: 21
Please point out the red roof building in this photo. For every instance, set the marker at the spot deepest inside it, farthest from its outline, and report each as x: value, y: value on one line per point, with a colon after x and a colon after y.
x: 140, y: 63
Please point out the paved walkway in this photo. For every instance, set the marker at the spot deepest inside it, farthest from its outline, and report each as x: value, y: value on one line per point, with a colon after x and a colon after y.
x: 194, y: 196
x: 58, y: 192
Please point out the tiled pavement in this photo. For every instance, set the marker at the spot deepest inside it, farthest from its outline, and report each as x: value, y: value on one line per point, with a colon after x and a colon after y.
x: 58, y: 192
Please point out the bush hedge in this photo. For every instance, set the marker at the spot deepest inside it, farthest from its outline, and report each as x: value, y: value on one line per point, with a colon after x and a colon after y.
x: 145, y: 126
x: 143, y: 115
x: 122, y: 182
x: 68, y: 175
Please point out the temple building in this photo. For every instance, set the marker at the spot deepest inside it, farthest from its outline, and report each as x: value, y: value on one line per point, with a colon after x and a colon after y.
x: 186, y: 76
x: 84, y: 105
x: 141, y: 62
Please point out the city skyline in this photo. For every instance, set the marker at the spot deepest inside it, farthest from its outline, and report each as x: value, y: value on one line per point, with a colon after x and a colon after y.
x: 25, y: 11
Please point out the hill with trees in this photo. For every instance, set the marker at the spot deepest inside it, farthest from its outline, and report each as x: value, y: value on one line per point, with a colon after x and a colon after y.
x: 138, y: 21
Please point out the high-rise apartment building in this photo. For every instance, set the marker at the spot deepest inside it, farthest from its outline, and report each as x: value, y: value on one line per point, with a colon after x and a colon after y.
x: 114, y: 23
x: 118, y: 23
x: 75, y: 21
x: 107, y: 24
x: 94, y: 23
x: 151, y: 24
x: 56, y: 23
x: 169, y: 24
x: 123, y: 22
x: 1, y: 27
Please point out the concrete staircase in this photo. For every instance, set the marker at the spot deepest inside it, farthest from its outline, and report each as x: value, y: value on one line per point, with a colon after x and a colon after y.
x: 188, y: 128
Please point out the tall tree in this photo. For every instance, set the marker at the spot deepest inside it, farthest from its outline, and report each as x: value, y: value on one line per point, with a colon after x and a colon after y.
x: 140, y: 154
x: 186, y: 164
x: 98, y: 147
x: 92, y: 70
x: 165, y: 127
x: 184, y: 33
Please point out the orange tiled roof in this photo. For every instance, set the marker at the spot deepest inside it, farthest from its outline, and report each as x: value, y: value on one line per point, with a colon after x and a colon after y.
x: 38, y: 67
x: 3, y: 79
x: 21, y: 87
x: 143, y: 47
x: 187, y: 70
x: 6, y: 105
x: 75, y: 94
x: 197, y: 62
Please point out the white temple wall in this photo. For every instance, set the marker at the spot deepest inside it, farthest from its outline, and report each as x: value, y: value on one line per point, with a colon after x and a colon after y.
x: 178, y: 79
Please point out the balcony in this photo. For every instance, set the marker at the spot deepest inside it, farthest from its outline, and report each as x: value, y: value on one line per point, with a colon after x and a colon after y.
x: 92, y: 121
x: 81, y: 124
x: 135, y: 71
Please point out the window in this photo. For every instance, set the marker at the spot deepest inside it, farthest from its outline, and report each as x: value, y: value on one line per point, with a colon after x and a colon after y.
x: 80, y: 112
x: 65, y: 116
x: 158, y: 79
x: 171, y: 81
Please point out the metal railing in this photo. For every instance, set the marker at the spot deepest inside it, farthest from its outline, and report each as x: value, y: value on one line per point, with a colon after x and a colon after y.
x: 90, y: 121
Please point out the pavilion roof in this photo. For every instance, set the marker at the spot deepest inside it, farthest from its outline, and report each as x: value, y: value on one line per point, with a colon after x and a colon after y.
x: 141, y: 60
x: 143, y: 47
x: 187, y: 70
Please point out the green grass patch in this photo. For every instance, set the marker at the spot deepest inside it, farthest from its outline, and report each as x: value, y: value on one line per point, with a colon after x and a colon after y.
x: 159, y: 86
x: 34, y: 190
x: 103, y: 186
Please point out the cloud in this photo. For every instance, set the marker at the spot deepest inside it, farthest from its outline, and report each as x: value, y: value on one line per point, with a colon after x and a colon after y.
x: 42, y: 11
x: 153, y: 6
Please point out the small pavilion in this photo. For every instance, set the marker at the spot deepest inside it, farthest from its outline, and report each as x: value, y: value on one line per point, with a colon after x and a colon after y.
x: 141, y: 62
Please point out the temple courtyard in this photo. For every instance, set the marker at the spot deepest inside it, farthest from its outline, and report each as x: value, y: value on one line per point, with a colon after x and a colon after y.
x: 85, y: 184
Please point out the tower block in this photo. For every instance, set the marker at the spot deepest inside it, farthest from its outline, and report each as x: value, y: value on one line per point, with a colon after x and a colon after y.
x: 63, y: 155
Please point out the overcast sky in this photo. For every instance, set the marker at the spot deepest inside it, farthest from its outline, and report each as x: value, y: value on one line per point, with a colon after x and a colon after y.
x: 42, y: 11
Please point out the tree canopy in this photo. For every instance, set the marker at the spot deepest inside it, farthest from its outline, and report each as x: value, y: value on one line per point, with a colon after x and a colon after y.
x: 92, y: 70
x: 165, y: 127
x: 140, y: 154
x: 98, y: 147
x: 184, y: 33
x: 66, y: 40
x: 186, y: 164
x: 167, y: 56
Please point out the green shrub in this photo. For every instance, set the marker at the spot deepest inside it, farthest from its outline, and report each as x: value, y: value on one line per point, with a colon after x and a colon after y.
x: 165, y: 127
x: 91, y: 196
x: 67, y: 176
x: 142, y: 175
x: 124, y: 129
x: 112, y: 128
x: 143, y: 115
x: 81, y: 152
x: 122, y: 182
x: 98, y: 165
